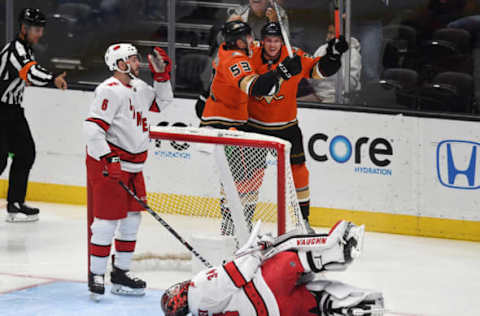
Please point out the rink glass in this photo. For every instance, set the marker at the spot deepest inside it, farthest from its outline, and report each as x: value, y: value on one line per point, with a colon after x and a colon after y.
x: 399, y: 35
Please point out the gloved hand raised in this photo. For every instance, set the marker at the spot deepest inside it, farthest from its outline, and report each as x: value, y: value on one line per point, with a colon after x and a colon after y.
x: 289, y: 67
x: 336, y: 47
x: 160, y: 65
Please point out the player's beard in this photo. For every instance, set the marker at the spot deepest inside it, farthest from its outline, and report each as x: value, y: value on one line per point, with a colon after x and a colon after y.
x: 135, y: 72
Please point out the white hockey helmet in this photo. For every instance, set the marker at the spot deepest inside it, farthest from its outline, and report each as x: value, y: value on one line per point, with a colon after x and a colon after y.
x: 120, y: 51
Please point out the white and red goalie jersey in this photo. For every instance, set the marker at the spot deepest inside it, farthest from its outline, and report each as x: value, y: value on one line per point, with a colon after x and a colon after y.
x: 117, y: 120
x: 232, y: 290
x: 277, y: 279
x: 246, y: 286
x: 276, y: 282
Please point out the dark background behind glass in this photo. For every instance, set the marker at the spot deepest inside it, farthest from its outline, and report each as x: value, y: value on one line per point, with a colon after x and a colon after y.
x: 79, y: 31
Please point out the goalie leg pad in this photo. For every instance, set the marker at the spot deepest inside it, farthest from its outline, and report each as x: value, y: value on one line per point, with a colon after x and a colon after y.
x: 336, y: 298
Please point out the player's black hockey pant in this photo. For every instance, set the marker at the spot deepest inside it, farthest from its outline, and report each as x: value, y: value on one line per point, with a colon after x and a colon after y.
x: 16, y: 138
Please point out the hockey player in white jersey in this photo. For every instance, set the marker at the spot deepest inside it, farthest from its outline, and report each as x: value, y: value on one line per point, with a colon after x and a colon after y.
x: 281, y: 279
x: 117, y: 134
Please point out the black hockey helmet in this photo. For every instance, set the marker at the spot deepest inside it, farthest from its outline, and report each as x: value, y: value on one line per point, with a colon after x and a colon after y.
x: 175, y: 299
x: 234, y: 30
x: 271, y: 29
x: 31, y: 16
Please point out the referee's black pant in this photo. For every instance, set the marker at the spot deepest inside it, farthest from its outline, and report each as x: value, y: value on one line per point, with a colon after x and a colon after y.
x: 16, y: 138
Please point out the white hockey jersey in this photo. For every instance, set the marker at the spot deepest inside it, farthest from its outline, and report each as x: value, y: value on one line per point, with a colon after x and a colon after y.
x: 237, y: 288
x: 117, y: 120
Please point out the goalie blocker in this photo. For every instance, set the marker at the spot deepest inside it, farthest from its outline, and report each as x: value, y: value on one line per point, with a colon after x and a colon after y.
x: 275, y: 279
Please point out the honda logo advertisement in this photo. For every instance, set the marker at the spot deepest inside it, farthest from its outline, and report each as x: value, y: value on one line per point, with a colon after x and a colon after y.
x: 458, y: 165
x: 348, y: 151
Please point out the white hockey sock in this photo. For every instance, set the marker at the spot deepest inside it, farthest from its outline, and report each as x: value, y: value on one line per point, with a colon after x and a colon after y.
x: 98, y: 265
x: 100, y: 244
x: 125, y: 241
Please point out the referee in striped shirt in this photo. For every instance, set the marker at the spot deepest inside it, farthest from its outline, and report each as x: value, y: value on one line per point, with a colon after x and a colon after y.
x: 18, y: 69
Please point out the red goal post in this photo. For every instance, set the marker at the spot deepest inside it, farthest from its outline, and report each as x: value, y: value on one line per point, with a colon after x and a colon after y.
x: 252, y: 162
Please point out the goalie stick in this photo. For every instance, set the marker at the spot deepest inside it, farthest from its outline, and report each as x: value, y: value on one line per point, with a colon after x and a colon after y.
x: 282, y: 28
x: 165, y: 224
x: 360, y: 312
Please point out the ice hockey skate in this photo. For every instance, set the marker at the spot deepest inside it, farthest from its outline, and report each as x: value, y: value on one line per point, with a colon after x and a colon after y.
x: 20, y: 212
x: 124, y: 284
x: 96, y: 286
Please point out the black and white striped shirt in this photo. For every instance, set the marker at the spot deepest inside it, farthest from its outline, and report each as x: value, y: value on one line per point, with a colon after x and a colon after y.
x: 17, y: 69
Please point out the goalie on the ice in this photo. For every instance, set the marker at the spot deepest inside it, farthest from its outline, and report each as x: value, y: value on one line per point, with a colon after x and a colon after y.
x: 278, y: 277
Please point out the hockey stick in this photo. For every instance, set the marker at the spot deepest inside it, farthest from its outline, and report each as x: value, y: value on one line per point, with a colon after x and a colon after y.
x: 282, y: 28
x: 393, y: 313
x: 336, y: 17
x: 360, y: 312
x: 165, y: 224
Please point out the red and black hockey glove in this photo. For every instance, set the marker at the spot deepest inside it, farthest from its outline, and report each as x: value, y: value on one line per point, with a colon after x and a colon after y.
x: 112, y: 166
x: 160, y: 65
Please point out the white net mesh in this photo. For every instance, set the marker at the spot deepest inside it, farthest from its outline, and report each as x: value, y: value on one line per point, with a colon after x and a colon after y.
x: 222, y: 181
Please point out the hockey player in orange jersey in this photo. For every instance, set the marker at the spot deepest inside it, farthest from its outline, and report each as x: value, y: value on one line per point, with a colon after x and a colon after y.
x: 234, y: 79
x: 276, y: 277
x: 276, y: 114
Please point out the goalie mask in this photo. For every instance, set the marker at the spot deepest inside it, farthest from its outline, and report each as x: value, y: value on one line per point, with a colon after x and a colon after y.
x: 175, y: 299
x: 117, y: 52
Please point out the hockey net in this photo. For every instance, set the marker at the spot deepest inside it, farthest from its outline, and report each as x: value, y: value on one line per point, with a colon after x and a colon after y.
x: 217, y: 183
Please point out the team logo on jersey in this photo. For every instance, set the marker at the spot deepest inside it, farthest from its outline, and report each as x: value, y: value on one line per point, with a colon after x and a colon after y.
x: 269, y: 98
x: 311, y: 241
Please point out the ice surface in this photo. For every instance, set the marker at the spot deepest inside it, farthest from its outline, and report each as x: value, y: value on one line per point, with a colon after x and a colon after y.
x: 43, y: 268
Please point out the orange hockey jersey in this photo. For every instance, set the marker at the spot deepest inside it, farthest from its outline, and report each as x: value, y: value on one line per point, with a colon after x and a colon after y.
x: 281, y: 108
x: 227, y: 103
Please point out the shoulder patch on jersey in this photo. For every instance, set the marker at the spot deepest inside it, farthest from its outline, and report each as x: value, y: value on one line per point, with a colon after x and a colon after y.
x: 110, y: 83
